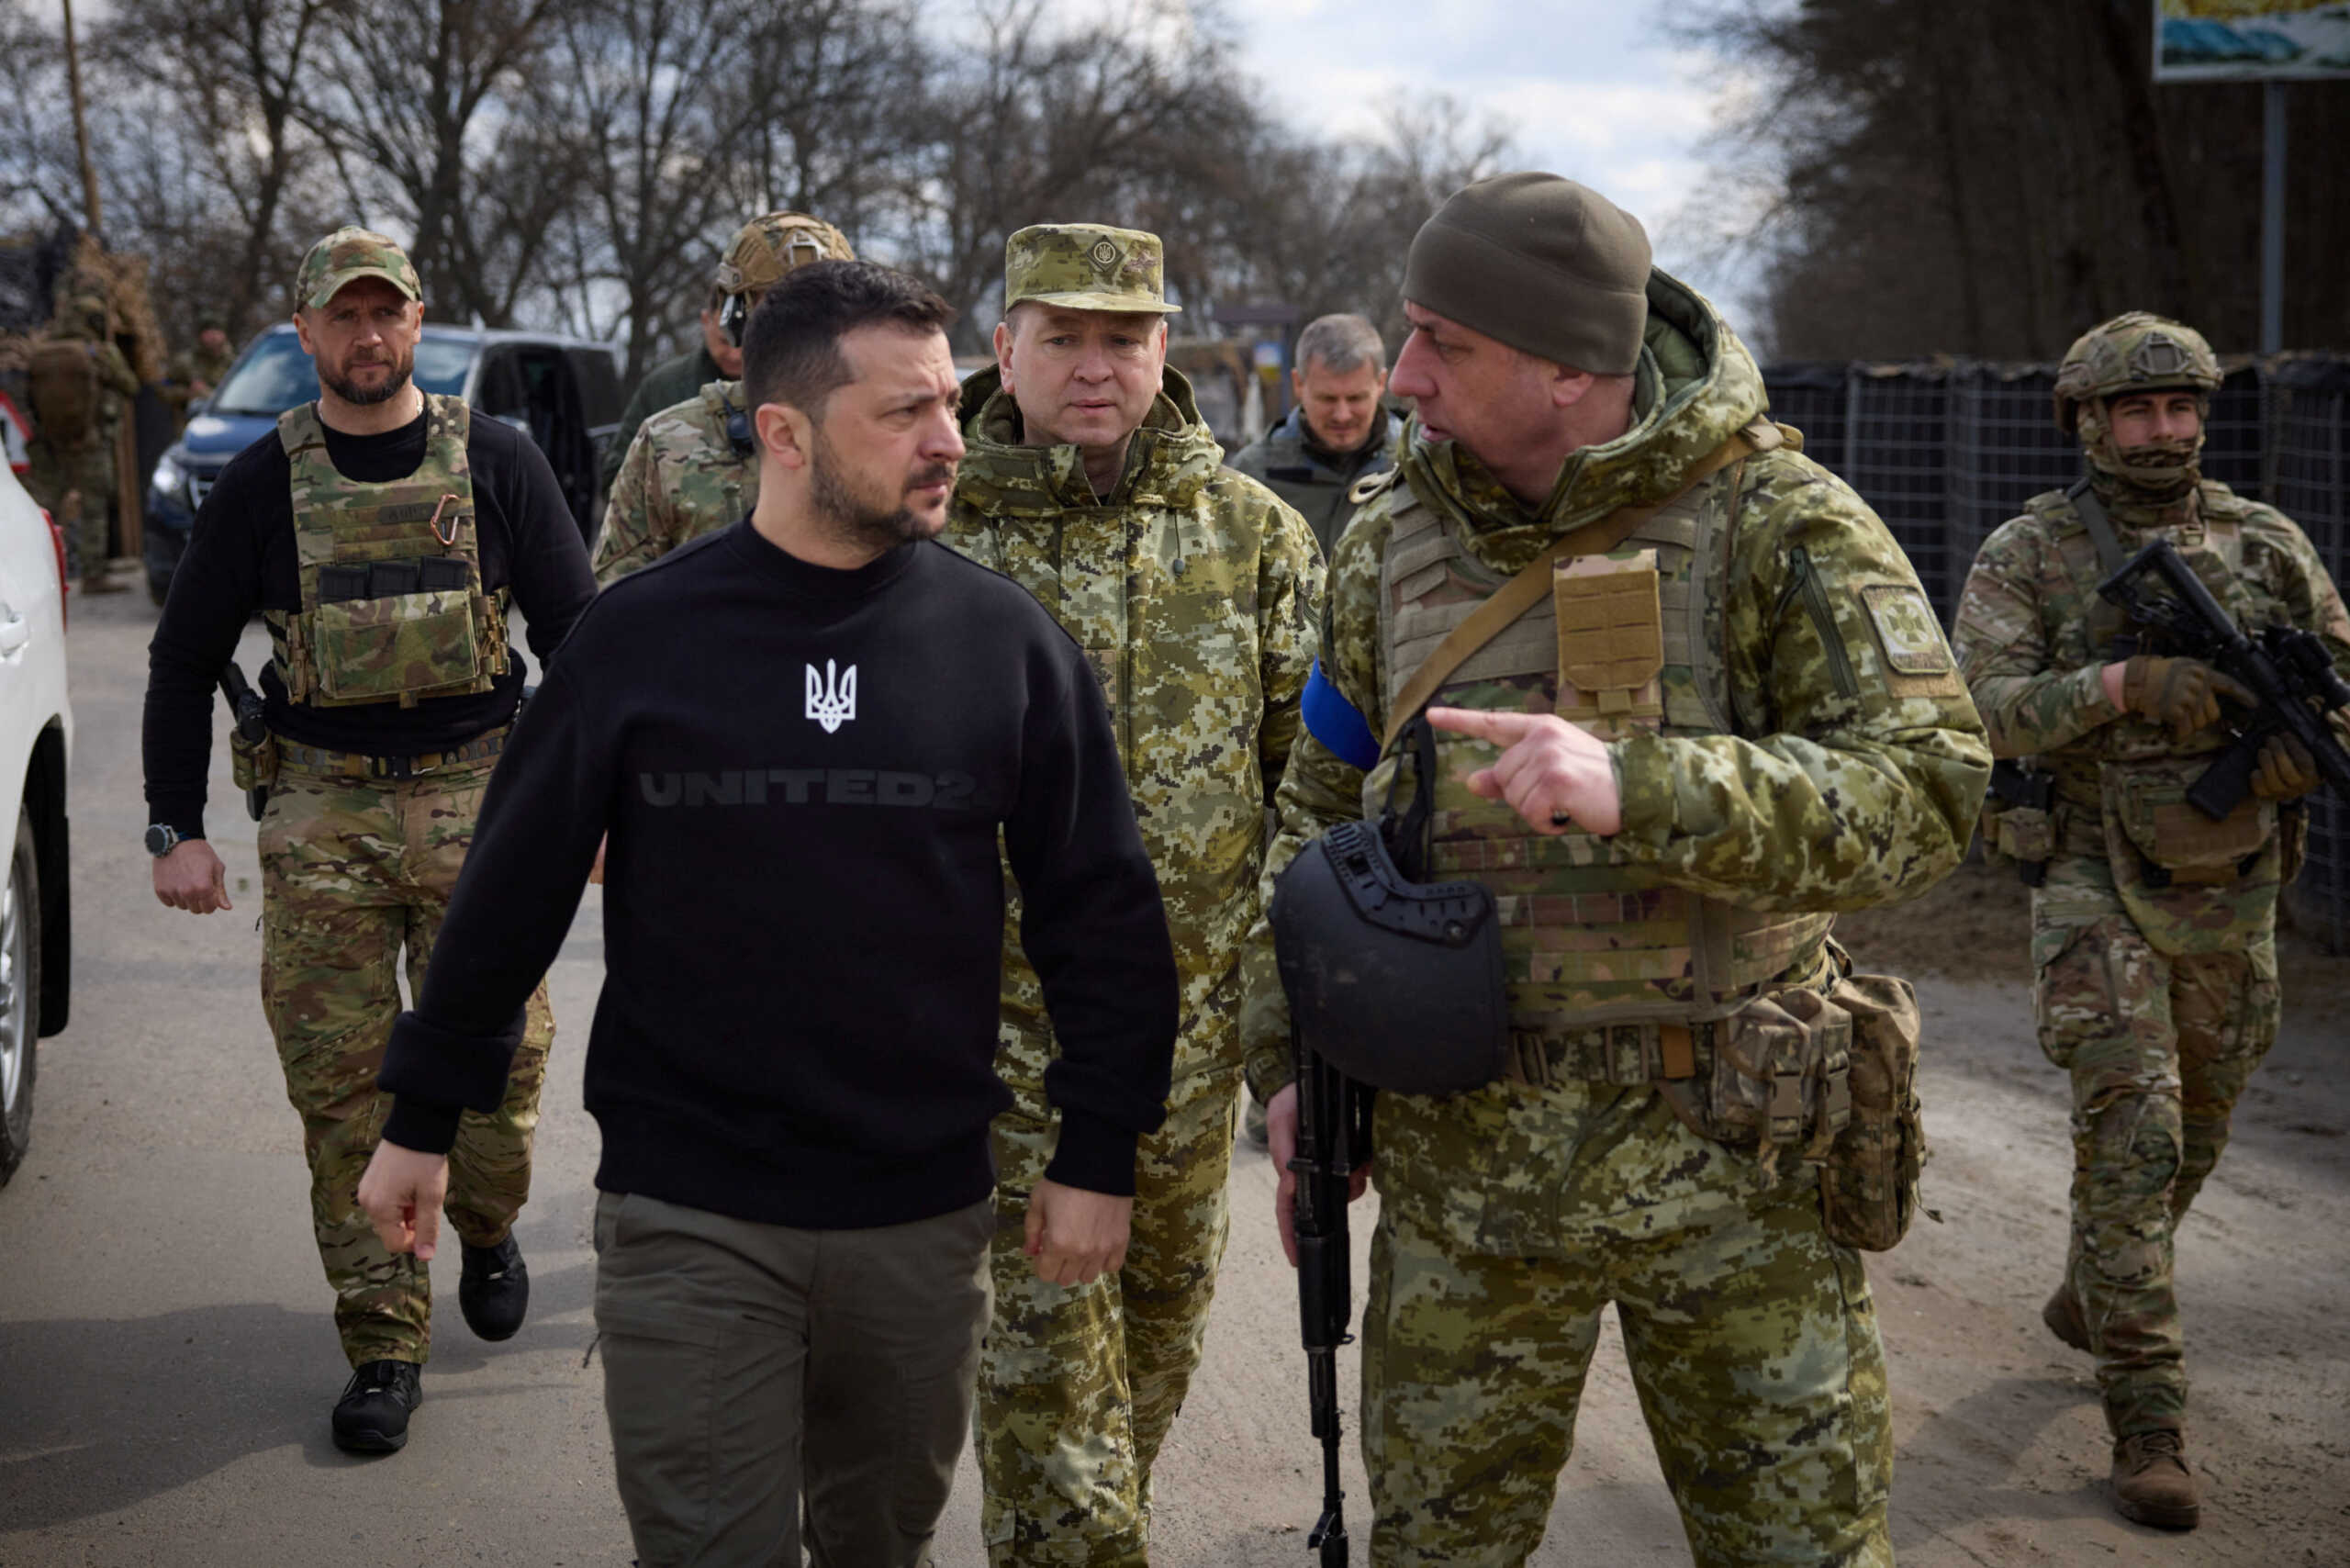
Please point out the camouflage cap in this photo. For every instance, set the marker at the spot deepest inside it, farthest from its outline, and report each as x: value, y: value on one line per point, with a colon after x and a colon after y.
x: 1086, y: 266
x: 765, y: 248
x: 2137, y: 351
x: 348, y: 254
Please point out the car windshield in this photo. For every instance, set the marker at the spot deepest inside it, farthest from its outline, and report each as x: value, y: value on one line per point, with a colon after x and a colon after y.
x: 276, y: 374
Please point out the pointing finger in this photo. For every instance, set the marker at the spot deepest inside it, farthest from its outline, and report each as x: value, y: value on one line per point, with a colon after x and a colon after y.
x: 1502, y: 728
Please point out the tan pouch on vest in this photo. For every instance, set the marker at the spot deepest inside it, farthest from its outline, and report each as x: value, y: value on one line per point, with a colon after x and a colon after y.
x: 1868, y: 1182
x: 2148, y: 803
x: 1611, y: 639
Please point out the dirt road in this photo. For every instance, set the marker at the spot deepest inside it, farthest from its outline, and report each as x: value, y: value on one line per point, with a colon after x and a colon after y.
x: 167, y: 1362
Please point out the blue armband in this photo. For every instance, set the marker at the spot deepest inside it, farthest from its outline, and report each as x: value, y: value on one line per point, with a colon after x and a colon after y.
x: 1332, y: 720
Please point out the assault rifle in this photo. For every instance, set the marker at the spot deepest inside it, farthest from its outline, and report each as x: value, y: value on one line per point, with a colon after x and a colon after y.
x: 1333, y: 1136
x: 2288, y: 670
x: 252, y: 729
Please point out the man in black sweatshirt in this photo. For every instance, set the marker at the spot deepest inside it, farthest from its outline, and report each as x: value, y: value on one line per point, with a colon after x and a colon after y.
x: 381, y: 533
x: 804, y: 736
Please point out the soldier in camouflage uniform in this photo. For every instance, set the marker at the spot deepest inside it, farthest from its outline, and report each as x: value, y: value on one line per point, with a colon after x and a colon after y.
x: 692, y: 467
x: 381, y: 532
x: 196, y: 372
x: 1728, y: 718
x: 2153, y: 933
x: 77, y: 479
x: 1090, y: 480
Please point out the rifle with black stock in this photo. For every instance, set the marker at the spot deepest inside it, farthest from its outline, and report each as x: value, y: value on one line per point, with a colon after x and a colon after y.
x: 2289, y: 671
x: 252, y: 729
x: 1332, y: 1131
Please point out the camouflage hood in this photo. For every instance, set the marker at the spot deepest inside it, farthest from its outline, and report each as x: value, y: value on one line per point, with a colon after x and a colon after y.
x: 1169, y: 461
x: 1694, y: 388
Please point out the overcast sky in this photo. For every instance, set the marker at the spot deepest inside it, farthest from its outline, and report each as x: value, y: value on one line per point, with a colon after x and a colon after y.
x: 1596, y: 92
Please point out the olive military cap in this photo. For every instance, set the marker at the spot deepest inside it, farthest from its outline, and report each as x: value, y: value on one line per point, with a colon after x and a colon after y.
x: 765, y: 248
x: 346, y: 255
x: 1547, y: 266
x: 1086, y: 266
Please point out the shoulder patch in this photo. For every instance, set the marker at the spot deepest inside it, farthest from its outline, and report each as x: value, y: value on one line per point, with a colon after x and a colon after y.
x: 1907, y: 631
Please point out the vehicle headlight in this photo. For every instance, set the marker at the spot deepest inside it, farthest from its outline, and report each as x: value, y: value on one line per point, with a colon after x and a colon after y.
x: 169, y: 481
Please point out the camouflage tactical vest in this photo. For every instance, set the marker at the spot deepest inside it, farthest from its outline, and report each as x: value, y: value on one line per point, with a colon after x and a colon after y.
x: 1627, y: 640
x: 2123, y: 785
x: 393, y: 608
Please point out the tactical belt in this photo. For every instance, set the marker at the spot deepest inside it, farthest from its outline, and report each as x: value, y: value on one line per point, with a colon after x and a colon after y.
x: 322, y: 763
x: 1626, y: 1055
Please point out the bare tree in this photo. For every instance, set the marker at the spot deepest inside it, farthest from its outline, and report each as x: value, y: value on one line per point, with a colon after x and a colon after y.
x: 414, y: 120
x: 231, y: 75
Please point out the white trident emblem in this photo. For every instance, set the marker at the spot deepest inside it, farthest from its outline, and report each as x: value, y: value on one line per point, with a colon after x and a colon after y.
x: 832, y: 699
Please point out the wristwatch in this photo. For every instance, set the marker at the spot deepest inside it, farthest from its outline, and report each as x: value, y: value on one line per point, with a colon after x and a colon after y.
x: 163, y: 838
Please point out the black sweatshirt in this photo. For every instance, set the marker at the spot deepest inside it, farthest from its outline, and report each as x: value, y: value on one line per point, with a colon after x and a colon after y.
x: 803, y: 772
x: 242, y: 557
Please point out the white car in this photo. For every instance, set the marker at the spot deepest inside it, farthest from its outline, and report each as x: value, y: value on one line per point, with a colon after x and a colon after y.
x: 35, y: 737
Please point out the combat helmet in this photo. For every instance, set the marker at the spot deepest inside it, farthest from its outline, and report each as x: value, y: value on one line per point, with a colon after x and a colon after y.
x: 2138, y: 352
x: 761, y: 253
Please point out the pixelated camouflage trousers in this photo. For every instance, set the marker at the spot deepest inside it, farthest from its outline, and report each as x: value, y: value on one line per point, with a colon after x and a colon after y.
x: 88, y: 468
x: 2159, y: 1045
x: 353, y: 875
x: 1508, y: 1218
x: 1079, y: 1385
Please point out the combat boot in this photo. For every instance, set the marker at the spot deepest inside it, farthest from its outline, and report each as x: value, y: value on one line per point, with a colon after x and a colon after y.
x: 372, y: 1414
x: 97, y: 580
x: 2063, y: 1316
x: 494, y: 1290
x: 2151, y: 1483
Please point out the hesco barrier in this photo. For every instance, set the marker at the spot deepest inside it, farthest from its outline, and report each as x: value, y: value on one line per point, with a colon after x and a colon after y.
x: 1948, y: 450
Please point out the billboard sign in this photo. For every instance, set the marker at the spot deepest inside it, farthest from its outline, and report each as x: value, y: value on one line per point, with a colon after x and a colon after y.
x: 2247, y: 40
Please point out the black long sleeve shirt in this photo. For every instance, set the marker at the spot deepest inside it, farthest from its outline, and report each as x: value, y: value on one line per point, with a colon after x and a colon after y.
x: 241, y: 557
x: 803, y: 774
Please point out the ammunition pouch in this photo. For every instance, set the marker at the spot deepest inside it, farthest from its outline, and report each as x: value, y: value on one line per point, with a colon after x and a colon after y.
x: 253, y: 764
x: 2147, y: 810
x: 1830, y: 1077
x: 1397, y: 984
x: 2019, y: 824
x: 1868, y: 1183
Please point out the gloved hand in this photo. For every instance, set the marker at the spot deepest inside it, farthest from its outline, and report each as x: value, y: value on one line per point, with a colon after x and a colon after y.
x: 2181, y: 694
x: 2286, y: 771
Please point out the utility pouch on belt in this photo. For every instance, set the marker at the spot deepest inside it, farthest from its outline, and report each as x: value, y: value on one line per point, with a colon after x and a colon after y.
x: 253, y: 764
x: 2018, y: 823
x: 1778, y: 1077
x: 2147, y: 803
x: 1868, y: 1183
x: 1396, y: 983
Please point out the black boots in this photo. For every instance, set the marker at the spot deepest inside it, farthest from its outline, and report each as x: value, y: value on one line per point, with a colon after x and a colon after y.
x: 372, y: 1414
x: 494, y: 1292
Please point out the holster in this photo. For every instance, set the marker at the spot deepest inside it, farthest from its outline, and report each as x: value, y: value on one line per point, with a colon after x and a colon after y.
x: 253, y: 764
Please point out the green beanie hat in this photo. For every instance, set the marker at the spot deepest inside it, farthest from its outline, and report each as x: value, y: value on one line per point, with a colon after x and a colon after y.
x: 1541, y: 264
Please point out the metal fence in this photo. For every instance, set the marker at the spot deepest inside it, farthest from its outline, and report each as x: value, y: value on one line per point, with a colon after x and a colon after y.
x: 1947, y: 451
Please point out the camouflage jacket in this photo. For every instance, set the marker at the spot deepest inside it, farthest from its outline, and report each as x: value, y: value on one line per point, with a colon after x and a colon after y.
x: 1845, y: 782
x: 191, y: 365
x: 1195, y: 595
x: 665, y: 385
x: 682, y: 478
x: 2032, y: 639
x: 1311, y: 480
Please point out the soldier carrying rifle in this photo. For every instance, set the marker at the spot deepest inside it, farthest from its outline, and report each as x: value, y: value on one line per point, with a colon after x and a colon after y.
x: 2172, y: 753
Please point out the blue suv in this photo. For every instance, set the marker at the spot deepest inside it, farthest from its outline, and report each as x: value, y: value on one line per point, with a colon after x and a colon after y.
x: 565, y: 393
